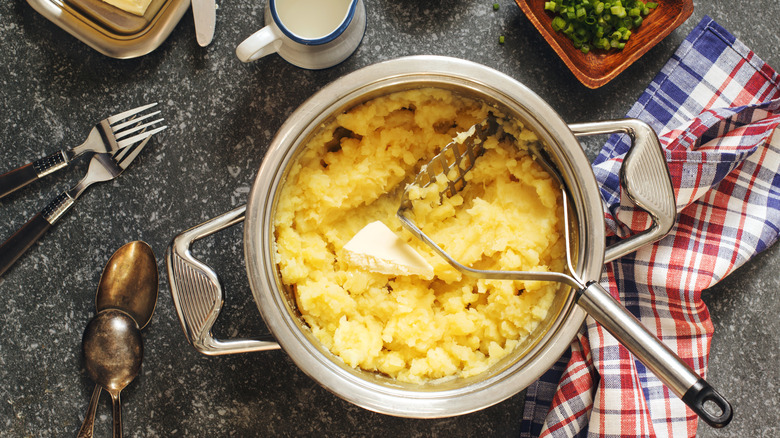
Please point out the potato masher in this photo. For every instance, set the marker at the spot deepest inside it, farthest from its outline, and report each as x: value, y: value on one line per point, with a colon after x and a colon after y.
x: 454, y: 161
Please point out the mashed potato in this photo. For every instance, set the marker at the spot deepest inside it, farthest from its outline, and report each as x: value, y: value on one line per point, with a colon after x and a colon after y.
x: 352, y: 173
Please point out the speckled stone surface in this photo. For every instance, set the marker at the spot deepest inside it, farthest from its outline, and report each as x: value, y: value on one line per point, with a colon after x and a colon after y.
x: 222, y: 116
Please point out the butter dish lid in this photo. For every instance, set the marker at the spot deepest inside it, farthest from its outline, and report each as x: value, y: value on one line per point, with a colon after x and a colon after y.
x: 110, y: 30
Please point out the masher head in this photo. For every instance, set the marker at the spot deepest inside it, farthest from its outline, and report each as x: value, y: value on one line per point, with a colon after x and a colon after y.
x: 455, y: 160
x: 453, y: 163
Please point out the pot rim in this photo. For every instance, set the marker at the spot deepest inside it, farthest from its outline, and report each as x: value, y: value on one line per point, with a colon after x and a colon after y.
x: 439, y: 399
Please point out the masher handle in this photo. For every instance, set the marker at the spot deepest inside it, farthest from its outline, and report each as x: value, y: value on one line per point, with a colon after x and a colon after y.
x: 680, y: 378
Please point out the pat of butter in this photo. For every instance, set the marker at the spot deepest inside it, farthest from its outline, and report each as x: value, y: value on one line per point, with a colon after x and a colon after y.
x: 137, y: 7
x: 377, y: 248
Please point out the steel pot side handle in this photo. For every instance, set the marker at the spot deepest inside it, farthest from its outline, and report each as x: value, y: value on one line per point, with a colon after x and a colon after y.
x: 680, y: 378
x: 197, y: 292
x: 645, y: 178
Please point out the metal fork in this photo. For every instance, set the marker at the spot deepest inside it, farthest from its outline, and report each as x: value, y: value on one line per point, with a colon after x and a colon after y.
x: 108, y: 136
x: 102, y: 167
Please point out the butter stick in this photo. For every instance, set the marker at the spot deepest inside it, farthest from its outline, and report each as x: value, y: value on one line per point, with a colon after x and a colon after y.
x: 376, y: 248
x: 136, y: 7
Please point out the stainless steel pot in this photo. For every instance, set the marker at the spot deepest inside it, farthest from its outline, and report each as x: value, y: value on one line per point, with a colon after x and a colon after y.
x: 198, y: 296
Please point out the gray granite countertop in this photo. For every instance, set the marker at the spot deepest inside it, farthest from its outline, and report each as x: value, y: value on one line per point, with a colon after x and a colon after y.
x: 222, y: 115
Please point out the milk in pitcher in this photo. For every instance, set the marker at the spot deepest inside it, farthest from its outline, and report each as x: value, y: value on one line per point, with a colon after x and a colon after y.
x: 312, y: 19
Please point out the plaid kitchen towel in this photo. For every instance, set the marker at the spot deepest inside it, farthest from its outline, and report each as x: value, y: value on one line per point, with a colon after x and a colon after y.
x: 715, y: 106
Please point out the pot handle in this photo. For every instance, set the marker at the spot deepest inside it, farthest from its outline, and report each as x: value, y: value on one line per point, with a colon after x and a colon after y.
x: 645, y: 178
x: 694, y: 391
x: 197, y: 292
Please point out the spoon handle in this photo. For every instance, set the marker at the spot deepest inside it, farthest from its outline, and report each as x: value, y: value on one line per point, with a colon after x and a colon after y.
x: 117, y: 408
x: 89, y: 421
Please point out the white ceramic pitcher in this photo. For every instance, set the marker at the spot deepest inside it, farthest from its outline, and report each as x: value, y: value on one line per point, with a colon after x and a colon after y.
x: 312, y: 34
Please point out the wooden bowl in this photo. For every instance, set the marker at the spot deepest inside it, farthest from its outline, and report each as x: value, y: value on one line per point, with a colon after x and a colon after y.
x: 598, y: 67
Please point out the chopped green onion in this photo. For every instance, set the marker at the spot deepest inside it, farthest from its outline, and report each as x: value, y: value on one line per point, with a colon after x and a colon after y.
x: 598, y: 24
x: 495, y: 6
x: 558, y: 23
x: 501, y: 39
x: 618, y: 11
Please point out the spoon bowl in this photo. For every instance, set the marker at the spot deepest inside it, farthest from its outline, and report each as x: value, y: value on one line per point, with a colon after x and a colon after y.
x: 129, y: 282
x: 113, y: 352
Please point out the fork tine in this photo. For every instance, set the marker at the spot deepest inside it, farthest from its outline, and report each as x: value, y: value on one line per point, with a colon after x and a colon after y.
x: 134, y: 129
x: 120, y: 126
x: 117, y: 117
x: 125, y: 156
x: 139, y: 137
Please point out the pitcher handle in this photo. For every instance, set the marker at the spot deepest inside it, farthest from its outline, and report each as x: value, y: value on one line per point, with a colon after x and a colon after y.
x: 262, y: 43
x: 197, y: 292
x: 645, y: 178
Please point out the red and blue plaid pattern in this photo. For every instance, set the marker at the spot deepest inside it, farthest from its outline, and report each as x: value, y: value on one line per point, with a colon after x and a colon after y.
x: 715, y: 106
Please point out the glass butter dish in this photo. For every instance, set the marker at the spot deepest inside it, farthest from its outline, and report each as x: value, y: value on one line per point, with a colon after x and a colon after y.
x: 110, y: 30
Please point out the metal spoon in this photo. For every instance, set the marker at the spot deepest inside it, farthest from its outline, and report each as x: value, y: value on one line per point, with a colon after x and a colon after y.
x: 129, y: 282
x: 113, y: 351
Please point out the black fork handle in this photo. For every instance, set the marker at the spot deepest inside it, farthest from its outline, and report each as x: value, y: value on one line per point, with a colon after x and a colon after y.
x: 16, y: 245
x: 22, y: 240
x: 16, y: 179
